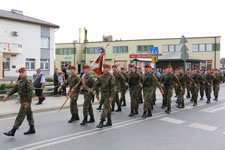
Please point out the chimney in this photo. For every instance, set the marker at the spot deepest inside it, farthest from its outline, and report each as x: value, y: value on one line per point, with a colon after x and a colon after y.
x: 107, y: 38
x: 85, y: 35
x: 17, y: 11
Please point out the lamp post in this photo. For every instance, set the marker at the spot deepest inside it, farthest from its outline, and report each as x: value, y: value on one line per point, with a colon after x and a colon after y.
x: 74, y: 45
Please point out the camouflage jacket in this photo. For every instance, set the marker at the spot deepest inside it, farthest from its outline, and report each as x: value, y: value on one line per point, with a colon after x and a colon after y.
x: 87, y: 82
x: 71, y: 82
x: 150, y: 81
x: 119, y: 80
x: 134, y: 79
x: 24, y: 89
x: 219, y: 79
x: 184, y: 79
x: 210, y: 78
x: 107, y: 84
x: 198, y: 79
x: 169, y: 80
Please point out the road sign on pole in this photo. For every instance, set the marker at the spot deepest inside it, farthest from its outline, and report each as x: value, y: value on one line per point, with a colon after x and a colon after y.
x: 184, y: 48
x: 183, y: 40
x: 154, y: 51
x: 154, y: 58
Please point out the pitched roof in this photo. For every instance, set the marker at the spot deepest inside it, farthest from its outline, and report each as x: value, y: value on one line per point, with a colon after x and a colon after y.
x: 22, y: 18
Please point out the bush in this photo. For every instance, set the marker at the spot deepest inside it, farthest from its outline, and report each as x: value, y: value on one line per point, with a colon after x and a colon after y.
x: 49, y: 80
x: 2, y: 86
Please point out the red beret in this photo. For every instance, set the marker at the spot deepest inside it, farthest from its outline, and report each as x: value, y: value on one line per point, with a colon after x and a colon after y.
x: 148, y: 66
x: 195, y: 68
x: 114, y: 66
x: 22, y: 70
x: 153, y: 68
x: 180, y: 67
x: 169, y: 66
x: 131, y: 65
x: 188, y: 69
x: 86, y: 66
x: 208, y: 69
x: 122, y: 68
x: 106, y: 66
x: 165, y: 67
x: 72, y: 67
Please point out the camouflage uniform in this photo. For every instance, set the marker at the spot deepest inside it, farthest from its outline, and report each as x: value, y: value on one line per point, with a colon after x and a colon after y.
x: 123, y: 90
x: 24, y: 89
x: 107, y: 84
x: 208, y: 88
x: 119, y: 80
x: 184, y: 79
x: 216, y: 85
x: 134, y: 80
x: 202, y: 90
x: 140, y: 97
x: 71, y: 82
x: 168, y: 81
x: 162, y: 79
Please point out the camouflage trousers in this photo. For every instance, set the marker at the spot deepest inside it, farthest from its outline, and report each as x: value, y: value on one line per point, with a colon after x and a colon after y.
x: 164, y: 98
x: 208, y: 91
x: 202, y: 90
x: 188, y: 89
x: 107, y: 111
x: 87, y: 105
x: 116, y: 99
x: 195, y: 91
x: 73, y: 104
x: 140, y: 94
x: 216, y: 89
x: 181, y: 96
x: 134, y: 97
x: 123, y: 93
x: 168, y: 94
x: 148, y: 98
x: 22, y: 114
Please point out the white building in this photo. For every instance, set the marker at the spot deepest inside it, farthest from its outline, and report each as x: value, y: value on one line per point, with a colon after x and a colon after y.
x: 26, y: 42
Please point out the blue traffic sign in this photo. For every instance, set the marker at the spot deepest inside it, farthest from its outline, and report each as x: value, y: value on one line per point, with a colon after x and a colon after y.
x: 154, y: 51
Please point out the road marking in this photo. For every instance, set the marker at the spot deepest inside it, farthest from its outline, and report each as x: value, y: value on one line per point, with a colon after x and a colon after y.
x: 172, y: 120
x: 214, y: 108
x: 203, y: 127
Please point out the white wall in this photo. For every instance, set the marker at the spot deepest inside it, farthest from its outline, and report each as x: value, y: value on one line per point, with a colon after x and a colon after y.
x: 52, y: 51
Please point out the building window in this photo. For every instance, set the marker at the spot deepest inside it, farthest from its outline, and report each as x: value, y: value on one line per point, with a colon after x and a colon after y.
x: 69, y: 51
x: 45, y: 64
x: 195, y: 47
x: 208, y: 47
x: 65, y: 52
x: 30, y: 64
x: 63, y: 64
x: 45, y: 42
x: 6, y: 63
x: 91, y: 50
x: 178, y: 48
x: 202, y: 47
x: 61, y: 51
x: 96, y: 50
x: 120, y: 49
x: 144, y: 48
x: 165, y: 48
x: 171, y: 48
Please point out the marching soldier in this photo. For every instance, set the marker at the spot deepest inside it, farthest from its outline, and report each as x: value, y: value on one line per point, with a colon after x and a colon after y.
x: 192, y: 87
x: 119, y: 80
x: 134, y: 84
x: 107, y: 84
x: 140, y: 99
x: 198, y: 79
x: 202, y: 86
x: 87, y: 83
x: 184, y: 79
x: 175, y: 87
x: 24, y: 89
x: 154, y: 92
x: 71, y: 82
x: 123, y: 87
x: 208, y: 90
x: 162, y: 79
x: 150, y: 82
x: 168, y: 83
x: 188, y: 85
x: 216, y: 83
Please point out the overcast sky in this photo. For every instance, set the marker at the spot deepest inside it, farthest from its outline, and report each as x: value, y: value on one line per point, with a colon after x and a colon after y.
x: 127, y: 19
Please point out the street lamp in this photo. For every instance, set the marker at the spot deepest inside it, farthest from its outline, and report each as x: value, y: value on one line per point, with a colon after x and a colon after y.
x: 74, y: 44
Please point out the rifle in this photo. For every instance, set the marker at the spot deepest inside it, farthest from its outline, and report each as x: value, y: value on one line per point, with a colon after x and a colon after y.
x: 73, y: 89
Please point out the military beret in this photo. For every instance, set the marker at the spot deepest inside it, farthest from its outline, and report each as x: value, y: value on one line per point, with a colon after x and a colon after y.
x: 180, y: 67
x: 86, y: 66
x: 208, y: 69
x: 72, y: 67
x: 188, y: 69
x: 122, y: 68
x: 131, y: 65
x: 165, y: 67
x: 114, y: 66
x: 148, y: 66
x: 169, y: 66
x: 195, y: 68
x: 22, y: 69
x: 106, y: 66
x: 153, y: 68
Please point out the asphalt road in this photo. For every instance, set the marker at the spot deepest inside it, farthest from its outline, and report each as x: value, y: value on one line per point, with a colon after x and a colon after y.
x: 192, y: 128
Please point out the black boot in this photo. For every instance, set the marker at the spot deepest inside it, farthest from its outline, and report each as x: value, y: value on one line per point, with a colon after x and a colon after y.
x: 30, y: 131
x: 77, y: 117
x: 195, y: 104
x: 136, y: 112
x: 124, y: 103
x: 140, y: 101
x: 149, y: 113
x: 131, y: 113
x: 108, y: 123
x: 113, y: 108
x: 100, y: 124
x: 183, y: 104
x: 92, y: 119
x: 153, y: 107
x: 188, y: 95
x: 72, y: 118
x: 154, y: 101
x: 215, y: 99
x: 180, y: 106
x: 168, y: 111
x: 119, y: 109
x: 84, y: 121
x: 11, y: 132
x: 99, y: 107
x: 163, y: 106
x: 208, y: 101
x: 201, y: 98
x: 144, y: 114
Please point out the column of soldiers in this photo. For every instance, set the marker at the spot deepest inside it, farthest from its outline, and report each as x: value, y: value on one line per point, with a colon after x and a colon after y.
x: 110, y: 85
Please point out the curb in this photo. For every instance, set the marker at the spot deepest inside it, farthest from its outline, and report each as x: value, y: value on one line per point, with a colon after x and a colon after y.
x: 8, y: 115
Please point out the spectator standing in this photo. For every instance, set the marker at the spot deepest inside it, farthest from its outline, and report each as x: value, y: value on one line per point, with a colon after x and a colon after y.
x: 64, y: 70
x: 39, y: 83
x: 56, y: 82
